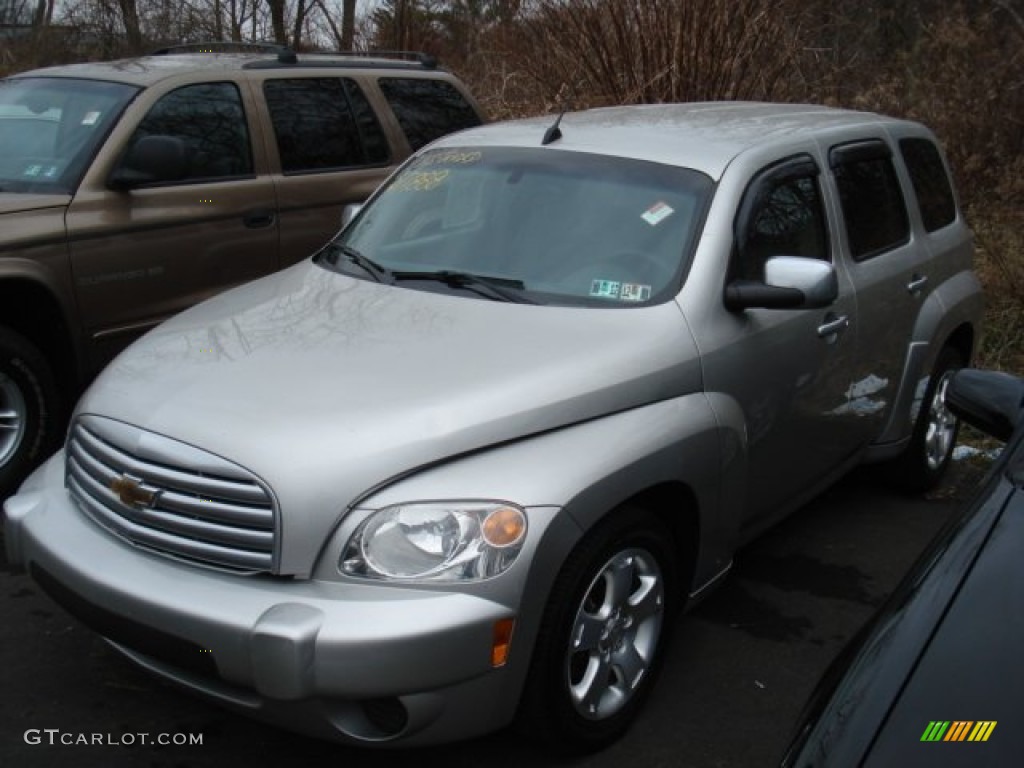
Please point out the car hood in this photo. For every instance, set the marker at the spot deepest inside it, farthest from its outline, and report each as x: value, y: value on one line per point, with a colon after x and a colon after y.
x: 327, y: 386
x: 15, y: 203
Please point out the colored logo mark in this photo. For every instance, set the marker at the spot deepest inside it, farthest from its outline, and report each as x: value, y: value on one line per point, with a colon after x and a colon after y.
x: 958, y: 730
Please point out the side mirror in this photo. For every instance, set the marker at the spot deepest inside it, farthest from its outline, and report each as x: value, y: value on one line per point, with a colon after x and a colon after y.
x: 989, y: 400
x: 151, y: 160
x: 349, y: 212
x: 790, y: 282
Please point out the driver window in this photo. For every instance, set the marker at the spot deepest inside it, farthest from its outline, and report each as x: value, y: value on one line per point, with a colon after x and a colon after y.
x: 210, y: 119
x: 785, y: 218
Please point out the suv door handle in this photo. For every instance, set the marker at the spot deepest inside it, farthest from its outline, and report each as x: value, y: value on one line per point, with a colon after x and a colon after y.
x: 258, y: 219
x: 917, y: 283
x: 833, y: 325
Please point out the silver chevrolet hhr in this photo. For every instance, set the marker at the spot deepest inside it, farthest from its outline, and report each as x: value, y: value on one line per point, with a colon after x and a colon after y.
x: 460, y: 467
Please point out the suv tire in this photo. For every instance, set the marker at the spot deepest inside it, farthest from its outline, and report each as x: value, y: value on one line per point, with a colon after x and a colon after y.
x: 926, y: 459
x: 29, y: 409
x: 607, y: 618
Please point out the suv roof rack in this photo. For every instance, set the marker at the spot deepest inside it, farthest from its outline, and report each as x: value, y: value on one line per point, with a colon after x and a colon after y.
x: 285, y: 55
x: 426, y: 60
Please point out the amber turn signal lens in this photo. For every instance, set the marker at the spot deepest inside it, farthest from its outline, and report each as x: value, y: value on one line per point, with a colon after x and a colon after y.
x: 503, y: 527
x: 501, y: 642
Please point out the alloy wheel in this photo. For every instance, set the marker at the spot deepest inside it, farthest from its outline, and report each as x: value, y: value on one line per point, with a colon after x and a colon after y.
x: 615, y: 634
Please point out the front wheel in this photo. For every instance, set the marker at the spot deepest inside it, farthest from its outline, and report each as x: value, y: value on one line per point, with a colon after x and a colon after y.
x: 602, y: 637
x: 29, y: 410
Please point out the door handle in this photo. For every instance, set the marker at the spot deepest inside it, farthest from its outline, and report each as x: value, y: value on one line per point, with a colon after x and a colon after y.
x: 917, y: 284
x: 258, y: 219
x: 833, y: 325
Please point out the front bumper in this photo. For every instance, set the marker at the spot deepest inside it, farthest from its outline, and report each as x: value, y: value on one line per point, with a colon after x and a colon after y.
x: 363, y: 663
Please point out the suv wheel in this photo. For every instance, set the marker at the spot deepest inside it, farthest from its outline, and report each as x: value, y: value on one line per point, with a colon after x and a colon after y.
x: 602, y: 636
x: 28, y: 409
x: 925, y: 461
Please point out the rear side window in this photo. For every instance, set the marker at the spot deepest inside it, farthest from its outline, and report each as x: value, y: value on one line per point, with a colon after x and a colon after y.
x: 931, y: 182
x: 427, y: 109
x: 210, y: 119
x: 870, y: 195
x: 323, y: 124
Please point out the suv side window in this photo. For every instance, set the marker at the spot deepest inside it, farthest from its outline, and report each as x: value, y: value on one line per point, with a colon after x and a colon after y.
x: 427, y: 109
x: 210, y: 119
x: 931, y: 182
x: 870, y: 196
x: 323, y: 124
x: 781, y: 215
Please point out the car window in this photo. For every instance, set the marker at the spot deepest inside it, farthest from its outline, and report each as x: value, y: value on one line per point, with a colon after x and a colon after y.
x: 322, y: 124
x: 427, y: 109
x: 874, y: 211
x: 783, y: 216
x: 210, y: 120
x: 931, y: 182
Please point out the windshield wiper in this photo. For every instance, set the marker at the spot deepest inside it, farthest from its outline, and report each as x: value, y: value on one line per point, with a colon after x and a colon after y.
x: 497, y: 288
x: 376, y: 271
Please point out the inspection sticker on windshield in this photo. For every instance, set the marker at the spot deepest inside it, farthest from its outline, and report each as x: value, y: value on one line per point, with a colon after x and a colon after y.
x: 657, y: 213
x: 613, y: 289
x: 634, y: 292
x: 605, y: 289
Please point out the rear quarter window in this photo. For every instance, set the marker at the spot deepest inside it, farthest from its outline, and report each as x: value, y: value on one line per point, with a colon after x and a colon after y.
x: 931, y: 183
x: 427, y: 109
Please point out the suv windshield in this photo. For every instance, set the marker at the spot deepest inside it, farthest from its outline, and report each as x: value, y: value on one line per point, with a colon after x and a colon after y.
x: 558, y: 227
x: 50, y: 128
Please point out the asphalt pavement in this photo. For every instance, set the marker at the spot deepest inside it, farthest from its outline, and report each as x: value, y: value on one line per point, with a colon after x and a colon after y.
x: 739, y: 670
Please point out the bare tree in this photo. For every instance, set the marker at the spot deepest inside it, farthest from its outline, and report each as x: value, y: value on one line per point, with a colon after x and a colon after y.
x: 626, y: 51
x: 132, y: 29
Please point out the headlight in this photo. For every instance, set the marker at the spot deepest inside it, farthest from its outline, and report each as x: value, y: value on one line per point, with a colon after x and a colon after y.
x: 439, y: 541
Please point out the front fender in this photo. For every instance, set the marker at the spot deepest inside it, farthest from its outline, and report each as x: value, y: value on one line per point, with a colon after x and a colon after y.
x: 569, y: 479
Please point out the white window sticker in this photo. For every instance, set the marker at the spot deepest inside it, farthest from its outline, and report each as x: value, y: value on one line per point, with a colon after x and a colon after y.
x: 90, y: 118
x: 634, y: 292
x: 657, y: 213
x: 605, y: 289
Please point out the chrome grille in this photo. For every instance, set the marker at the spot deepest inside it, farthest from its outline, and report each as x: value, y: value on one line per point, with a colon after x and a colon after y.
x: 170, y: 497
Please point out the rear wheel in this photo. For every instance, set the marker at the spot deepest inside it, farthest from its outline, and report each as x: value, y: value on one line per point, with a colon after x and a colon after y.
x: 926, y: 459
x: 602, y: 637
x: 29, y: 411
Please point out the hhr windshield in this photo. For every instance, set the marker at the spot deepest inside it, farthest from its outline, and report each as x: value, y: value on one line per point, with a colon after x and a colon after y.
x: 535, y: 225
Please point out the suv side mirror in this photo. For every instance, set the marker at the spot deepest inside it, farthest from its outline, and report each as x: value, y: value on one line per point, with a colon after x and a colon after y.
x: 989, y: 400
x: 790, y: 282
x: 151, y: 160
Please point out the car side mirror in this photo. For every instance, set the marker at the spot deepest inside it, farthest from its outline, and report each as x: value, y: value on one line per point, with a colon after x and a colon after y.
x: 790, y: 282
x: 151, y: 160
x: 992, y: 401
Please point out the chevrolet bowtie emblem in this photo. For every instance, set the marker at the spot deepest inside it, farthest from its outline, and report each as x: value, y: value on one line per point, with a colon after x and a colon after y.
x: 132, y: 493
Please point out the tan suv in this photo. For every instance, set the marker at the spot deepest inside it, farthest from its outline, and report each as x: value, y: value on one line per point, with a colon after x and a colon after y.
x: 132, y: 189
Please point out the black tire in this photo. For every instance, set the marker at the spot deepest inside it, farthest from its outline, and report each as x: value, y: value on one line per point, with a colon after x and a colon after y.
x: 29, y: 409
x: 559, y: 707
x: 927, y: 457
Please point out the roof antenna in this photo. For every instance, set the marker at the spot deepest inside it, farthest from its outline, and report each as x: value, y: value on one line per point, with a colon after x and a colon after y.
x: 553, y: 133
